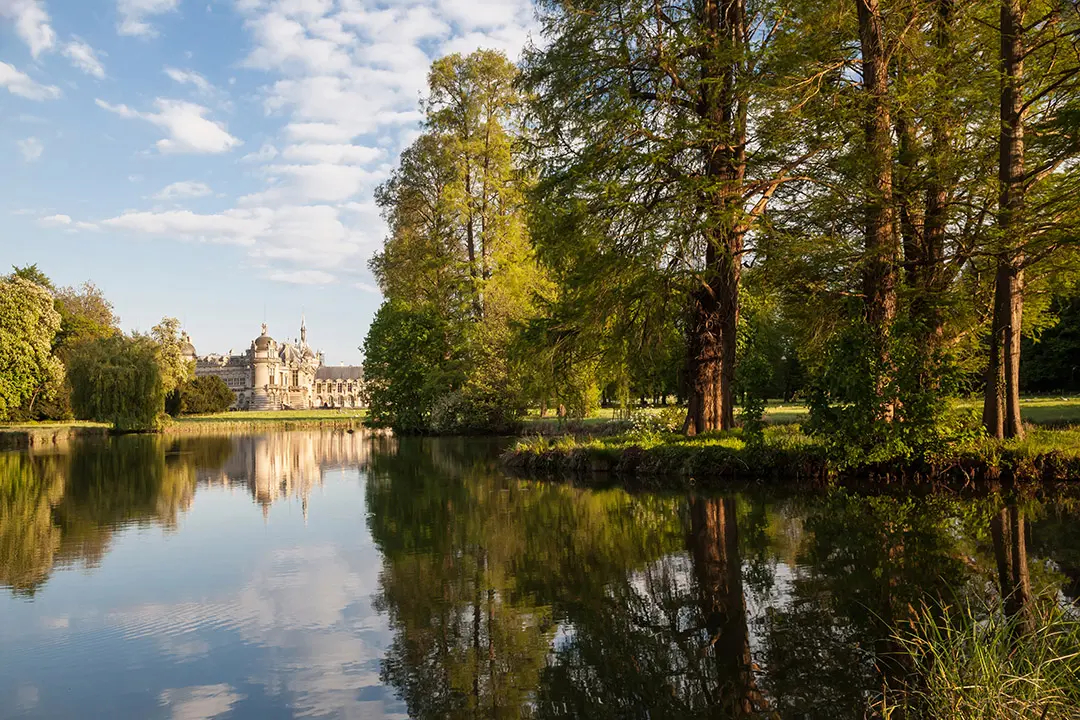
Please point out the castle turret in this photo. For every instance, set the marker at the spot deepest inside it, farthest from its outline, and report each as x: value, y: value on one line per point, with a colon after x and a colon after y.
x: 263, y: 361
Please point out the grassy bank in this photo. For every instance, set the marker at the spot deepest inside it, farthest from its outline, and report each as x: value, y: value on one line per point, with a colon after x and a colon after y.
x: 1053, y: 412
x: 39, y: 434
x: 267, y: 420
x: 1047, y: 455
x: 19, y: 436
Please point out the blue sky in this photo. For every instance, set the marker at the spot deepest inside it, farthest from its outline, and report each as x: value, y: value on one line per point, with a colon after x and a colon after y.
x: 214, y: 160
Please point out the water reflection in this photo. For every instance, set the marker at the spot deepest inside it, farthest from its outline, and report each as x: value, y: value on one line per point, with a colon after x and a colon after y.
x: 60, y: 508
x: 426, y: 583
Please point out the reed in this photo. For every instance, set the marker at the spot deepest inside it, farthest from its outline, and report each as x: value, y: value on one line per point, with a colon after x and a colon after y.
x: 971, y: 663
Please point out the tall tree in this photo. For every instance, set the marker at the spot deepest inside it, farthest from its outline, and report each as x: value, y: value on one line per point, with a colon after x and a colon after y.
x: 882, y: 248
x: 175, y: 369
x: 28, y: 323
x: 458, y: 255
x: 641, y: 113
x: 1039, y: 103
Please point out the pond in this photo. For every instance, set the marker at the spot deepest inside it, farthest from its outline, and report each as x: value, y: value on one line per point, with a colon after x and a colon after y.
x: 350, y: 575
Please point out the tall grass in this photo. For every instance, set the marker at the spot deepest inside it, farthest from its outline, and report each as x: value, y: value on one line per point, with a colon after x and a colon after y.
x: 971, y: 664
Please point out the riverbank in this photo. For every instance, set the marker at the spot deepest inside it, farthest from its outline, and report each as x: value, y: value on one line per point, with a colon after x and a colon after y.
x: 1046, y: 456
x: 45, y: 434
x: 249, y: 420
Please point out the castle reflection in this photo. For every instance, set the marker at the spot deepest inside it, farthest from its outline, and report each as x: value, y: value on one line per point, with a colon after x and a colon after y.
x: 61, y: 506
x: 287, y: 465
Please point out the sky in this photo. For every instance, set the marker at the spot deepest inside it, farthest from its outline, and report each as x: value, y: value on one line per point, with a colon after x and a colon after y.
x: 215, y: 160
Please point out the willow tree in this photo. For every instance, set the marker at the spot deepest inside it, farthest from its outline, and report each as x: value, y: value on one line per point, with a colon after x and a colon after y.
x: 652, y: 125
x: 118, y: 380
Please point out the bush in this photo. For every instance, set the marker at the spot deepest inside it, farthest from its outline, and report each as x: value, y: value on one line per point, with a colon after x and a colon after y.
x: 854, y: 390
x: 406, y: 367
x: 200, y: 396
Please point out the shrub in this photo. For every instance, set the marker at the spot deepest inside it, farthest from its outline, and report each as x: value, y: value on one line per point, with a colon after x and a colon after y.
x: 200, y: 396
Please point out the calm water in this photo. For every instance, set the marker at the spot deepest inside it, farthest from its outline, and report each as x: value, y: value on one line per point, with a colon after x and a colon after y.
x: 323, y: 574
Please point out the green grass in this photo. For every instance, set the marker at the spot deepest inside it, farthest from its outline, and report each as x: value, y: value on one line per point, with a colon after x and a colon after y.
x: 50, y: 425
x: 247, y: 416
x: 978, y: 664
x: 1038, y: 411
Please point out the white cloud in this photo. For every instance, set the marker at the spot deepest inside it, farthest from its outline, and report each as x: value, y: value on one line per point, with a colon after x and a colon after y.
x: 265, y: 154
x: 133, y: 15
x: 31, y: 149
x: 200, y: 702
x: 337, y: 154
x: 19, y: 83
x: 183, y: 189
x: 322, y: 182
x: 31, y: 24
x: 56, y: 221
x: 83, y: 57
x: 233, y: 227
x: 190, y: 77
x: 368, y: 288
x: 189, y: 131
x: 302, y: 277
x: 310, y: 244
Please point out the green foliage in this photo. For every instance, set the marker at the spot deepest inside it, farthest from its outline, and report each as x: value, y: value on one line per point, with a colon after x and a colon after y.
x: 118, y: 380
x: 175, y: 370
x: 870, y: 406
x: 34, y: 274
x: 1052, y: 361
x: 406, y: 367
x: 457, y: 266
x: 85, y: 314
x: 200, y: 396
x: 29, y: 372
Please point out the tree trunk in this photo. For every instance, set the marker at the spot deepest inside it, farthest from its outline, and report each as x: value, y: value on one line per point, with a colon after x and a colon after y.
x: 714, y: 550
x: 881, y: 249
x: 715, y: 305
x: 928, y: 307
x: 1001, y: 404
x: 1007, y: 529
x: 880, y: 234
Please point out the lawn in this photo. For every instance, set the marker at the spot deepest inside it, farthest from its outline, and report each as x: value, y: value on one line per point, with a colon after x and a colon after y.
x: 1038, y: 411
x: 247, y: 416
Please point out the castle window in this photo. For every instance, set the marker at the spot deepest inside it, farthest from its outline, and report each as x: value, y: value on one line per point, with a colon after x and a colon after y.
x: 296, y: 378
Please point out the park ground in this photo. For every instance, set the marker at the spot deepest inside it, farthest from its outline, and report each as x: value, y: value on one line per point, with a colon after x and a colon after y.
x: 1048, y: 411
x: 1041, y: 411
x: 639, y: 448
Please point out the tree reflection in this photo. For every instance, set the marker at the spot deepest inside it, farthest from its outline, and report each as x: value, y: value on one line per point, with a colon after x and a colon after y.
x: 61, y: 508
x: 478, y: 568
x: 865, y: 563
x: 30, y: 486
x: 668, y: 641
x: 1014, y: 577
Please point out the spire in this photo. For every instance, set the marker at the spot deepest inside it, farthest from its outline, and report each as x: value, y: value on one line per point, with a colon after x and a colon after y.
x: 303, y: 330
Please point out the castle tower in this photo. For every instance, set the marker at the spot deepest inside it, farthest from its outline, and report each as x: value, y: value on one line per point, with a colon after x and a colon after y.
x: 263, y: 362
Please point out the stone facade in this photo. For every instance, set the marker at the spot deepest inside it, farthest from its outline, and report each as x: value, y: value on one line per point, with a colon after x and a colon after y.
x: 274, y: 375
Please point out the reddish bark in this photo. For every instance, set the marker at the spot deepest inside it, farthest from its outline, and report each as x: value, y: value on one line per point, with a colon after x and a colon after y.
x: 1001, y: 402
x: 715, y: 305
